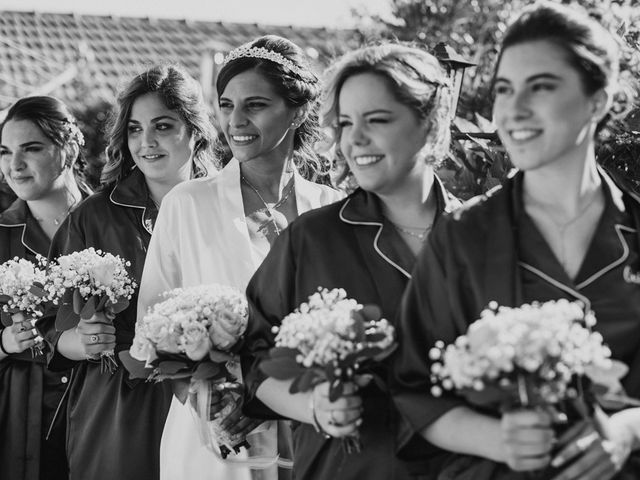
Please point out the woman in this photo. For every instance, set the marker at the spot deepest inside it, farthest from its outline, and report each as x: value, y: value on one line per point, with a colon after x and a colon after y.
x: 161, y: 136
x: 390, y: 108
x: 40, y: 144
x: 559, y: 228
x: 218, y: 230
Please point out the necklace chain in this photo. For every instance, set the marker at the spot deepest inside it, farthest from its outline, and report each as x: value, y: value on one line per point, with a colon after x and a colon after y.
x: 281, y: 201
x: 420, y: 234
x: 58, y: 220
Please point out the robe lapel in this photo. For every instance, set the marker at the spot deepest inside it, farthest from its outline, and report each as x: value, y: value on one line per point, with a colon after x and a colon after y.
x: 501, y: 282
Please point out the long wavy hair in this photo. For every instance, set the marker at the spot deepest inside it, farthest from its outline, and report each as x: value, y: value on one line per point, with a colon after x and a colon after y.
x: 182, y: 94
x: 57, y: 123
x: 299, y: 88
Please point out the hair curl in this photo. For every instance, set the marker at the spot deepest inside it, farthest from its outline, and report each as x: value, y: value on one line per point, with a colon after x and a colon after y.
x: 182, y: 94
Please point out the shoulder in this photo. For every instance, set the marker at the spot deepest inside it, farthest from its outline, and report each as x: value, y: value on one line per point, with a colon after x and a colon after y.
x: 327, y: 193
x: 193, y: 190
x: 96, y: 202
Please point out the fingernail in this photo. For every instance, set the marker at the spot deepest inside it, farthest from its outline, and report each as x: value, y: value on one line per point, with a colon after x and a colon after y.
x: 358, y: 422
x: 557, y: 461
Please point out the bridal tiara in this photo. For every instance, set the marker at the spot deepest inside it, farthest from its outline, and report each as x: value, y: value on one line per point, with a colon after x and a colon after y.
x: 261, y: 52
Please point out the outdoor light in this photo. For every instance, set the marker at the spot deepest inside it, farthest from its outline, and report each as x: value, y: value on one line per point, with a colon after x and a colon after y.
x: 455, y: 66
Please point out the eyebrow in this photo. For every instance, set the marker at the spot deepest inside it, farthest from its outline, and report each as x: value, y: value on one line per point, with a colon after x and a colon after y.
x: 156, y: 119
x: 372, y: 112
x: 539, y: 76
x: 254, y: 97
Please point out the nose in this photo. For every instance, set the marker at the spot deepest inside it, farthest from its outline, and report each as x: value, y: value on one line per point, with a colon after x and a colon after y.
x: 521, y: 107
x: 149, y: 138
x: 237, y: 118
x: 16, y: 162
x: 357, y: 134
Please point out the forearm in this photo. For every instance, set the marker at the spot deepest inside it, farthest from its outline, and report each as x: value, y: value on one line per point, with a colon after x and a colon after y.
x: 461, y: 430
x: 275, y: 395
x: 69, y: 346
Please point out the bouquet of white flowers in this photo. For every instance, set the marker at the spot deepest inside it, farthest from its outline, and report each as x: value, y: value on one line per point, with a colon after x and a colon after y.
x: 526, y: 356
x: 188, y: 338
x: 23, y: 290
x: 331, y: 338
x: 92, y: 281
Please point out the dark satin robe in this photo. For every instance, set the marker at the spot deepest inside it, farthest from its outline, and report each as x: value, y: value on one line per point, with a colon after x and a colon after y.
x: 31, y: 443
x: 491, y: 250
x: 114, y: 424
x: 346, y: 245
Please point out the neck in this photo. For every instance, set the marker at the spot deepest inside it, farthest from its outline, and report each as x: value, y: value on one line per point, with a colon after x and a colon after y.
x: 158, y: 189
x: 412, y: 205
x: 566, y: 186
x: 53, y: 207
x: 266, y: 176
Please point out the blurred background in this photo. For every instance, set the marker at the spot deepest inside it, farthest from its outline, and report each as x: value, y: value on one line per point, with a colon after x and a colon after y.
x: 82, y: 52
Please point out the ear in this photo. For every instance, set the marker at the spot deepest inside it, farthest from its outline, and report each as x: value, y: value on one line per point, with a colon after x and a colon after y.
x: 300, y: 116
x: 600, y: 104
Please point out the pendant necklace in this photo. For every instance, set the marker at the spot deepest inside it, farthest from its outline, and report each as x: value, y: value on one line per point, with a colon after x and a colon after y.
x: 269, y: 209
x: 58, y: 220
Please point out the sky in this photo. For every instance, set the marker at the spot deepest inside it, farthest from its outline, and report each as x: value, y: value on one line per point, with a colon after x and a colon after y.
x: 332, y: 13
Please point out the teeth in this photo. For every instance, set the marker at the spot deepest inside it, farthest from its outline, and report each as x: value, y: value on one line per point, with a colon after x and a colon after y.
x: 367, y: 159
x: 242, y: 138
x: 151, y: 157
x: 524, y: 134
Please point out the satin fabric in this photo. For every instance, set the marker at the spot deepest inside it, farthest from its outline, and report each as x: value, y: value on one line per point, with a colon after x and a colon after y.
x: 201, y: 237
x: 114, y: 424
x: 347, y: 245
x: 490, y: 250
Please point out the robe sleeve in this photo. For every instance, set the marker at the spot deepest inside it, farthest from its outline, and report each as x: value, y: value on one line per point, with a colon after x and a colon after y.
x: 162, y: 269
x: 270, y: 295
x: 427, y: 314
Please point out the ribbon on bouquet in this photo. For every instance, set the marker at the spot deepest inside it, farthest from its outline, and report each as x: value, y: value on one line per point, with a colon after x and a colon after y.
x: 216, y: 439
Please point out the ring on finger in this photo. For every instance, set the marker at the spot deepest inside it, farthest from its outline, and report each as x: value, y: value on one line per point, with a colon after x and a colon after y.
x: 93, y: 339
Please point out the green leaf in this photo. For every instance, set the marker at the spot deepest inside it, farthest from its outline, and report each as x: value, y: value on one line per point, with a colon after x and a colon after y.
x: 101, y: 304
x: 371, y: 312
x: 37, y: 290
x: 170, y: 367
x: 219, y: 357
x: 136, y: 368
x: 281, y: 368
x: 120, y: 305
x: 335, y: 390
x: 6, y: 319
x: 67, y: 318
x: 306, y: 381
x: 276, y: 352
x: 207, y: 370
x: 4, y: 298
x: 78, y: 301
x: 89, y: 308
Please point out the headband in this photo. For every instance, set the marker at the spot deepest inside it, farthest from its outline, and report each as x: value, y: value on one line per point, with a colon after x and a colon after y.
x: 263, y: 53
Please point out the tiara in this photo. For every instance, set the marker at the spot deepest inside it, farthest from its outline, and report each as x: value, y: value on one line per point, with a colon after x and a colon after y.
x: 261, y: 52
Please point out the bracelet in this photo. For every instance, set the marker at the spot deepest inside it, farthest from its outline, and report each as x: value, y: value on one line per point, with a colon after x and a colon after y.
x: 316, y: 425
x: 7, y: 353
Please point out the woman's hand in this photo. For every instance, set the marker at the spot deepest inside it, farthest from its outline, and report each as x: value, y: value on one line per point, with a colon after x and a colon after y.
x: 340, y: 418
x: 97, y: 334
x: 528, y: 438
x: 601, y: 452
x: 21, y: 335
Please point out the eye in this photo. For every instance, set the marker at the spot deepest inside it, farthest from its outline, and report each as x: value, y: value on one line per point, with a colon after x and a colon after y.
x: 502, y: 89
x: 132, y: 129
x: 224, y: 105
x: 256, y: 105
x: 379, y: 120
x: 344, y: 123
x: 543, y: 86
x: 163, y: 126
x: 33, y: 148
x: 4, y: 151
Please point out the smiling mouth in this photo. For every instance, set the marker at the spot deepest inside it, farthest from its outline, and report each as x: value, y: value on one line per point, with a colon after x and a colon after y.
x: 365, y: 160
x: 20, y: 179
x: 524, y: 134
x: 155, y: 156
x: 243, y: 139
